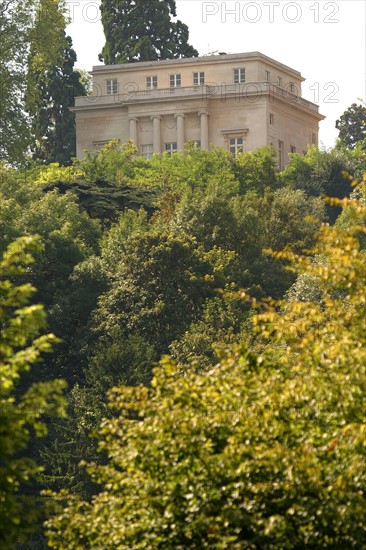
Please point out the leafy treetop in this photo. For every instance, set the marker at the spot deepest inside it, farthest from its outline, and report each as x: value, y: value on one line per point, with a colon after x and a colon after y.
x: 143, y: 31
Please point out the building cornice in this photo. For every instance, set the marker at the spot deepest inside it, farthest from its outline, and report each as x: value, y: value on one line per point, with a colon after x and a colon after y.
x: 202, y: 95
x: 196, y: 61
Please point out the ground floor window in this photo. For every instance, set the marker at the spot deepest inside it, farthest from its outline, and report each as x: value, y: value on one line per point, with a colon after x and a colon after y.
x: 280, y: 154
x: 147, y: 150
x: 236, y: 145
x: 170, y: 148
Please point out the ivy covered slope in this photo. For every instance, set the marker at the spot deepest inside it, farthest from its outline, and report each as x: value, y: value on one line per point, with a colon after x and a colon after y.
x: 265, y: 450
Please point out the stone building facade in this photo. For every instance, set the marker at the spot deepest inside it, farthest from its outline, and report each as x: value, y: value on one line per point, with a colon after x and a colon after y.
x: 237, y: 101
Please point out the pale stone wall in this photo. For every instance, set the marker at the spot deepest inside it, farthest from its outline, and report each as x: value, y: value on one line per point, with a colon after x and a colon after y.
x: 266, y: 109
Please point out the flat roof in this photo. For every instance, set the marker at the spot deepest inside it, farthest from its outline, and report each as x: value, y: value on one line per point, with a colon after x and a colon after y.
x: 205, y: 59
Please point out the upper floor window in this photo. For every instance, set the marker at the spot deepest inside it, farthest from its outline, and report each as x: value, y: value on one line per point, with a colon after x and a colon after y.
x: 292, y: 149
x: 198, y: 79
x: 271, y: 118
x: 239, y: 76
x: 267, y: 76
x: 313, y: 138
x: 151, y: 82
x: 236, y: 145
x: 291, y: 87
x: 175, y: 80
x: 112, y: 86
x: 279, y: 81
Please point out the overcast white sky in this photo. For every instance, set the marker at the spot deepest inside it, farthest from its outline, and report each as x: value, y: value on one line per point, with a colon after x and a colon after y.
x: 323, y: 40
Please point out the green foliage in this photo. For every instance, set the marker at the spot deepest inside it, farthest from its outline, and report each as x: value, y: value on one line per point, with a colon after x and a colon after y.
x: 352, y: 127
x: 15, y: 22
x: 53, y: 172
x: 225, y: 320
x: 69, y: 236
x: 106, y: 201
x: 22, y: 415
x: 120, y: 360
x: 321, y: 172
x: 263, y: 451
x: 69, y: 442
x: 145, y: 257
x: 257, y: 170
x: 156, y: 288
x: 195, y: 169
x: 353, y: 215
x: 51, y: 93
x: 294, y: 220
x: 325, y: 173
x: 113, y: 163
x: 37, y: 22
x: 141, y: 31
x: 47, y: 38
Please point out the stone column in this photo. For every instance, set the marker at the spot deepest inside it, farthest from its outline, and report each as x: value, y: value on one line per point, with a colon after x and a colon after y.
x: 204, y: 129
x: 133, y: 129
x: 156, y: 133
x: 180, y: 131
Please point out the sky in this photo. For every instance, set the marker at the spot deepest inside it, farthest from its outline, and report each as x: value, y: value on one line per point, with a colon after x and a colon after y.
x: 325, y: 41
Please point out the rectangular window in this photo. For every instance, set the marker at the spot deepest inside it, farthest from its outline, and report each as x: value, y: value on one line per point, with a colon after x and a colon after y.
x: 151, y: 82
x: 147, y: 151
x: 175, y: 80
x: 279, y: 81
x: 271, y: 118
x: 236, y: 145
x: 112, y: 86
x: 198, y: 79
x: 291, y: 87
x: 280, y: 154
x: 313, y: 138
x: 267, y: 76
x: 292, y: 149
x: 170, y: 148
x: 239, y: 76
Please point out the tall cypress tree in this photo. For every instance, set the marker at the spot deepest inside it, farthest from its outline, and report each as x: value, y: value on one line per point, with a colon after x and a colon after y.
x: 136, y: 30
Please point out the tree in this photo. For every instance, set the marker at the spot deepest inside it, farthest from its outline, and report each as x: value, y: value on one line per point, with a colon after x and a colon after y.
x: 23, y: 414
x: 15, y: 22
x: 157, y: 287
x: 143, y: 31
x: 53, y: 124
x: 325, y: 172
x: 36, y: 22
x: 257, y: 170
x: 265, y: 450
x: 352, y: 127
x: 52, y: 86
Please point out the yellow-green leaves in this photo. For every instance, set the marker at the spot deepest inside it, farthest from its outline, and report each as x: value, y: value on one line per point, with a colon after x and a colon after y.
x: 20, y: 348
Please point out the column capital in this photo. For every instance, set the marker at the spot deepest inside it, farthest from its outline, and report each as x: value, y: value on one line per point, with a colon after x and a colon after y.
x: 133, y: 119
x: 179, y: 114
x: 153, y: 117
x: 203, y: 112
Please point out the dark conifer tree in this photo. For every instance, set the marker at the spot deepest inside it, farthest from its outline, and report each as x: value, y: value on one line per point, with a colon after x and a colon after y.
x: 137, y: 30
